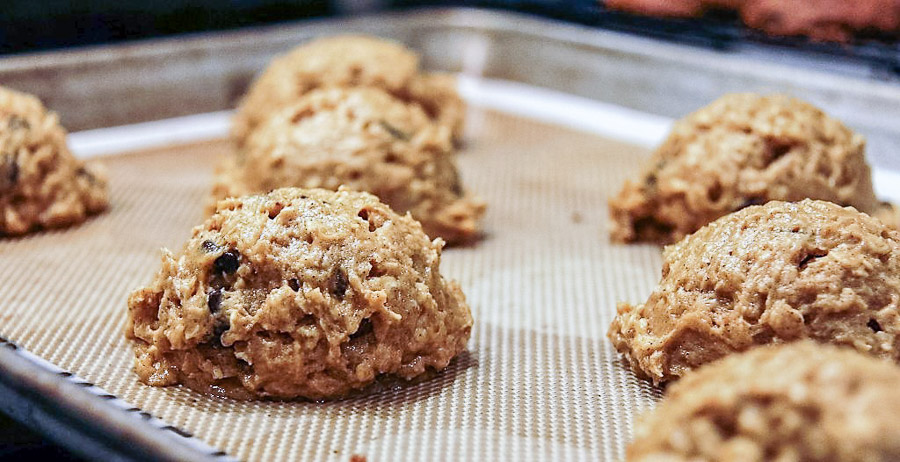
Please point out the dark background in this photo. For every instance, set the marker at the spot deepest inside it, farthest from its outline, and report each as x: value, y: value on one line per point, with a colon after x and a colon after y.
x: 28, y: 25
x: 37, y: 25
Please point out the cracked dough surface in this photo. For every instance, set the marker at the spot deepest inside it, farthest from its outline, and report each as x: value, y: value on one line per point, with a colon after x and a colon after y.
x: 802, y: 401
x: 298, y: 293
x: 348, y: 61
x: 767, y: 274
x: 367, y: 140
x: 744, y: 149
x: 42, y: 185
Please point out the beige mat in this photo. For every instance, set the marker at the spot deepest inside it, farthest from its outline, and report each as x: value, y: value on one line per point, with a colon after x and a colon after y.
x: 540, y: 379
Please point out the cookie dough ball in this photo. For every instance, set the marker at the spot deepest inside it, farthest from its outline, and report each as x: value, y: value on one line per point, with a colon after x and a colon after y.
x: 348, y: 61
x: 802, y: 401
x: 662, y: 8
x: 298, y: 293
x: 743, y: 149
x: 824, y: 20
x: 827, y: 20
x: 42, y: 185
x: 768, y: 274
x: 437, y: 94
x: 367, y: 140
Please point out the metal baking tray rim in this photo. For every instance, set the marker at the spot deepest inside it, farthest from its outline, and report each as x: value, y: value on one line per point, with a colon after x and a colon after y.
x: 89, y: 420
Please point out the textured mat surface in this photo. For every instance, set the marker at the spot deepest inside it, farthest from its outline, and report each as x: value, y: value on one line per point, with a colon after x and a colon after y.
x: 540, y: 379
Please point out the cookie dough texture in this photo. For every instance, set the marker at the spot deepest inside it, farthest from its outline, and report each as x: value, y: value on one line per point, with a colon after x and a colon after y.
x: 348, y: 61
x: 825, y: 20
x: 744, y: 149
x: 767, y: 274
x: 42, y: 185
x: 797, y: 402
x: 367, y: 140
x: 298, y: 293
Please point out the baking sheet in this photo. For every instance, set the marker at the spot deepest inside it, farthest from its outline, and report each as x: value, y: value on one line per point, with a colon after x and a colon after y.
x: 539, y: 380
x: 555, y: 107
x: 114, y: 85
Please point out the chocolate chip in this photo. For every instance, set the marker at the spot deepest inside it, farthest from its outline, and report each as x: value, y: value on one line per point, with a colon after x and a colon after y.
x: 214, y: 300
x: 457, y: 189
x: 9, y: 172
x: 365, y: 326
x: 294, y: 284
x: 650, y: 180
x: 752, y: 201
x: 810, y: 257
x: 83, y: 172
x: 339, y: 283
x: 219, y: 328
x: 873, y: 324
x: 15, y: 123
x: 456, y: 186
x: 209, y: 246
x: 394, y: 131
x: 227, y: 263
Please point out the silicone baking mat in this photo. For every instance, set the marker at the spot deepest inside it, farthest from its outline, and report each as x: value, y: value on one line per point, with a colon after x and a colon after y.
x: 539, y: 379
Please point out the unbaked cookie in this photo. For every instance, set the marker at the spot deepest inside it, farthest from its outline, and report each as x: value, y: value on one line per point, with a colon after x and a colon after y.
x: 767, y: 274
x: 367, y: 140
x: 827, y: 20
x: 42, y: 185
x: 798, y: 402
x: 743, y: 149
x: 348, y: 61
x: 298, y: 293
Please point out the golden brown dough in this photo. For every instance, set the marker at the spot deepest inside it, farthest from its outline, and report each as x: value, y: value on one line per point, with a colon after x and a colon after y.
x: 743, y: 149
x: 826, y: 20
x: 348, y: 61
x: 797, y: 402
x: 767, y: 274
x: 42, y: 185
x: 367, y: 140
x: 298, y: 293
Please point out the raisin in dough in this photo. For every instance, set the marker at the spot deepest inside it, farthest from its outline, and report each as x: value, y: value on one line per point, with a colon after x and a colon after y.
x: 798, y: 402
x: 298, y: 293
x: 42, y: 185
x: 367, y: 140
x: 740, y: 150
x: 348, y: 61
x: 774, y: 273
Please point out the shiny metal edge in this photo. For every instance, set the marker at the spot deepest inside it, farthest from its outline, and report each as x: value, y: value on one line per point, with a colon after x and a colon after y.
x: 87, y: 419
x: 161, y: 78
